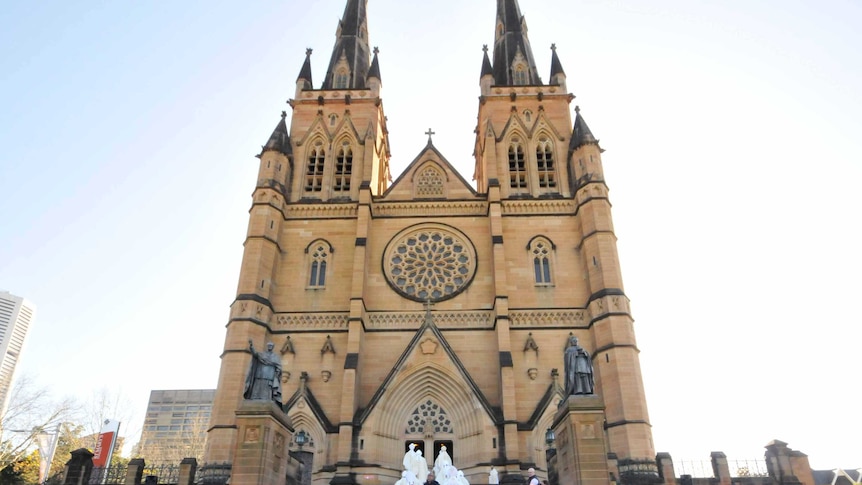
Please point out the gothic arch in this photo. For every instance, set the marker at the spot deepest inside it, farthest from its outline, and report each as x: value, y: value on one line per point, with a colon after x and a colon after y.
x: 429, y: 381
x: 303, y: 420
x: 429, y: 181
x: 318, y: 263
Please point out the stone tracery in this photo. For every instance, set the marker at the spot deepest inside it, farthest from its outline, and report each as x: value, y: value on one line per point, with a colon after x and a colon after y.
x: 430, y: 263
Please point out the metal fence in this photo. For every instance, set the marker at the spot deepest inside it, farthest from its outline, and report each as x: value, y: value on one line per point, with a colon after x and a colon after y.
x: 113, y: 475
x: 163, y: 473
x: 747, y: 468
x: 694, y: 468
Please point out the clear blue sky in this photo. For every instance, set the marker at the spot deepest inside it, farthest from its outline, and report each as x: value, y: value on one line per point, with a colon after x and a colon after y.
x: 129, y: 129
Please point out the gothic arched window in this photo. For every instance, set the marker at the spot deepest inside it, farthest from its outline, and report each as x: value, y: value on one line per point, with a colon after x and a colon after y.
x: 517, y: 169
x: 314, y: 170
x: 429, y: 183
x: 343, y: 168
x: 519, y: 75
x: 318, y: 256
x: 340, y: 79
x: 541, y: 255
x: 545, y: 163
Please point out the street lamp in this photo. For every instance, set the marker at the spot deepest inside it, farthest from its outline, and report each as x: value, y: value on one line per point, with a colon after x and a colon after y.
x: 550, y: 437
x: 301, y: 438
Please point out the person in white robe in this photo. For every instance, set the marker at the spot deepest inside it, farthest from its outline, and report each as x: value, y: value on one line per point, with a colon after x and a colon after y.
x: 442, y: 460
x: 420, y: 467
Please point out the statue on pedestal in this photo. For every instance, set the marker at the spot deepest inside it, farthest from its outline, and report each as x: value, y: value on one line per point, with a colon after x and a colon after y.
x: 579, y: 369
x: 263, y: 381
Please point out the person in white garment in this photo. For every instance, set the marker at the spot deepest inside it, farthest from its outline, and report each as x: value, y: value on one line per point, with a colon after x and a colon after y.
x: 442, y: 460
x: 493, y: 477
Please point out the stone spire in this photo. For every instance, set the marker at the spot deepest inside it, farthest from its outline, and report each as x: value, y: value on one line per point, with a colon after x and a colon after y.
x: 374, y: 70
x: 303, y: 81
x: 513, y: 57
x: 486, y: 63
x: 349, y: 65
x: 279, y: 140
x: 581, y: 134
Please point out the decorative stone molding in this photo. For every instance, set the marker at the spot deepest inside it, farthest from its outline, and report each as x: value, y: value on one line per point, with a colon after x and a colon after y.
x: 546, y: 318
x: 609, y: 304
x: 538, y: 206
x: 441, y: 208
x: 311, y: 321
x: 320, y: 211
x: 442, y: 319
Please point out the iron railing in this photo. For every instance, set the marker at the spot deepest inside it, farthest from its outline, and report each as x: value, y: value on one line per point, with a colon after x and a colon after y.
x: 112, y: 475
x: 748, y: 468
x: 693, y: 468
x: 165, y: 473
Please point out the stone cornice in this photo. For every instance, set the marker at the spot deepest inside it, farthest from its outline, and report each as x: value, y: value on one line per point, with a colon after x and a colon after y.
x: 430, y: 208
x: 321, y: 211
x: 538, y: 206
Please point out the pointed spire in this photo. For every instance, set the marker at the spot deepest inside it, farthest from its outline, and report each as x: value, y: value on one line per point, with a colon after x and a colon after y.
x: 348, y: 66
x: 556, y: 65
x: 305, y: 72
x: 279, y: 140
x: 374, y: 70
x: 513, y: 56
x: 581, y: 134
x: 486, y: 63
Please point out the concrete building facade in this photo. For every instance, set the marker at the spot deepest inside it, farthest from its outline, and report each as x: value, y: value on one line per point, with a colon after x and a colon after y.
x: 16, y: 316
x: 175, y: 424
x: 427, y: 309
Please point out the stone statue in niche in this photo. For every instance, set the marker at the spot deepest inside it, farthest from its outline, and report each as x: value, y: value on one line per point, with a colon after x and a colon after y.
x: 263, y: 380
x: 579, y: 369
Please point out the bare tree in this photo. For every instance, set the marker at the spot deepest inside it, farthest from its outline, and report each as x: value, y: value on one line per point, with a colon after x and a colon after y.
x: 103, y: 404
x: 31, y: 411
x: 189, y: 443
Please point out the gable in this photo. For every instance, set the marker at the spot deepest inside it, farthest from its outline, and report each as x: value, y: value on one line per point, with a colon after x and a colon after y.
x: 429, y: 177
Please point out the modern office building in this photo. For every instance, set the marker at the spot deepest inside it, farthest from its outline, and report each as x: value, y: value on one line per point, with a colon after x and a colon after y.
x: 16, y: 315
x: 175, y: 424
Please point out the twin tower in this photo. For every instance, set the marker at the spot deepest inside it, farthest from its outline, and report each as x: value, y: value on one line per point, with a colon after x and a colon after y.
x: 429, y: 310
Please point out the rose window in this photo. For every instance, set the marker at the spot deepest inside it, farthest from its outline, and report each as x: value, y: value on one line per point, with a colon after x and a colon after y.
x: 432, y: 263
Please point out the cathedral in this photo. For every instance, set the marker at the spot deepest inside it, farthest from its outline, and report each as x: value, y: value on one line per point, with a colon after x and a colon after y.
x: 420, y: 308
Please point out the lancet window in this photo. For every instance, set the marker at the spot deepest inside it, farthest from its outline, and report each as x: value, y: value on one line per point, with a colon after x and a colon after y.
x: 318, y: 253
x: 314, y: 170
x: 541, y: 253
x: 341, y: 79
x: 517, y: 168
x: 519, y: 75
x: 343, y: 168
x: 545, y: 164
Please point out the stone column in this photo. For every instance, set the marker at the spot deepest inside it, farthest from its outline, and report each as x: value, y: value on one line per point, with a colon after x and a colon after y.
x: 665, y: 468
x: 188, y: 468
x: 263, y: 431
x: 78, y: 467
x: 135, y: 471
x: 581, y: 451
x: 720, y: 468
x: 786, y: 466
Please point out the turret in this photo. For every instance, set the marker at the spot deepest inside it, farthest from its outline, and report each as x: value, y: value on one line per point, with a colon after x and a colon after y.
x: 374, y: 81
x: 303, y: 81
x: 486, y: 78
x: 558, y: 76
